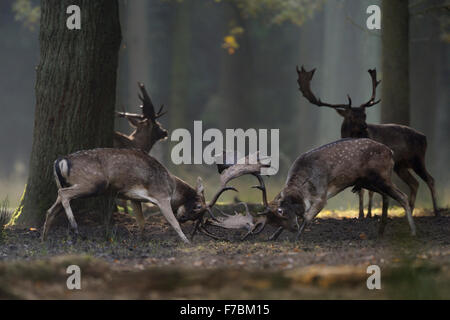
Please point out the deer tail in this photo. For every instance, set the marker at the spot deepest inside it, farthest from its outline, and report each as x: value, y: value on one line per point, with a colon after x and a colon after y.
x: 61, y: 170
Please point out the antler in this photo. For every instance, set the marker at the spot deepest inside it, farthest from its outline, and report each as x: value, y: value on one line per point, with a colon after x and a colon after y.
x: 218, y: 194
x: 375, y: 83
x: 249, y: 165
x: 304, y: 82
x: 239, y: 220
x: 148, y: 108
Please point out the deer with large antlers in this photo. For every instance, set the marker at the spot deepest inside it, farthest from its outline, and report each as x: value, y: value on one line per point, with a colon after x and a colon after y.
x: 320, y: 174
x: 132, y: 175
x: 147, y: 130
x: 409, y: 145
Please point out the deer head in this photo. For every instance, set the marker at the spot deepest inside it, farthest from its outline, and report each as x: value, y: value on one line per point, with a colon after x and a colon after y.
x: 147, y: 129
x: 195, y: 209
x: 354, y: 125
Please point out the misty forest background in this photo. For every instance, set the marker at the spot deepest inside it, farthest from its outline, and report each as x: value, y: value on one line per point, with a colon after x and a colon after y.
x: 232, y: 65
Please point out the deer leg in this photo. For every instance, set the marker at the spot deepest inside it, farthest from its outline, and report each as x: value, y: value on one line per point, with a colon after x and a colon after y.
x: 412, y: 183
x: 51, y: 214
x: 310, y: 215
x: 369, y: 206
x: 276, y: 234
x: 422, y: 172
x: 74, y: 192
x: 384, y: 215
x: 395, y: 193
x: 167, y: 212
x: 300, y: 230
x: 194, y: 230
x: 137, y: 209
x: 361, y: 204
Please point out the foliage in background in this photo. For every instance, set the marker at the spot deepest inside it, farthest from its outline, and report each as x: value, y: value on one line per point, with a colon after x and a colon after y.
x: 270, y: 12
x: 5, y: 213
x: 27, y: 12
x: 279, y: 11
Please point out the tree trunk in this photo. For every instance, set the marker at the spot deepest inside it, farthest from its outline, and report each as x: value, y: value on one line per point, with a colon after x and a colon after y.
x: 75, y: 94
x: 395, y: 62
x: 179, y: 74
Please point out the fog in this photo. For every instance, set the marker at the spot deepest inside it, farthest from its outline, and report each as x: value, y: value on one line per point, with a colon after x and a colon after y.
x: 176, y: 50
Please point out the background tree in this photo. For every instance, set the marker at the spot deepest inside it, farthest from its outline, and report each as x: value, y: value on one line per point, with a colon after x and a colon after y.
x: 75, y: 93
x: 395, y: 62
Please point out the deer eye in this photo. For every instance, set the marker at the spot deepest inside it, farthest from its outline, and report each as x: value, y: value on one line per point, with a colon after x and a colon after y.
x: 198, y: 206
x: 280, y: 211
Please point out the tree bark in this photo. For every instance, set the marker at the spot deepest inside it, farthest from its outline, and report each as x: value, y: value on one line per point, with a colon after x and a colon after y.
x: 395, y: 62
x: 75, y: 94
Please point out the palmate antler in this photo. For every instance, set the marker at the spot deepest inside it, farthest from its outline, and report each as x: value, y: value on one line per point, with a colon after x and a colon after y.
x: 304, y: 82
x: 240, y: 221
x: 148, y: 109
x: 251, y: 164
x: 375, y: 83
x: 229, y: 171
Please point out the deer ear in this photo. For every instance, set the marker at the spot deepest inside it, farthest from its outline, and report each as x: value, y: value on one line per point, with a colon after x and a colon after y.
x: 200, y: 188
x: 342, y: 113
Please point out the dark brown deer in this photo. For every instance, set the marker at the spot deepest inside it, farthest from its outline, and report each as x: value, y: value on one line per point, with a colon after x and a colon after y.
x: 409, y: 145
x: 322, y: 173
x: 132, y: 175
x: 147, y: 130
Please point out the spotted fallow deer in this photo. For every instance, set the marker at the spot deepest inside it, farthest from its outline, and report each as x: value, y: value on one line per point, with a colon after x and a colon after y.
x: 320, y: 174
x: 409, y: 145
x: 130, y: 174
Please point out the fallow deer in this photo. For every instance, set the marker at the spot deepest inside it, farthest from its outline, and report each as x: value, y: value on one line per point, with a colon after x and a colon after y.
x: 147, y: 130
x: 130, y: 174
x: 409, y: 145
x: 320, y: 174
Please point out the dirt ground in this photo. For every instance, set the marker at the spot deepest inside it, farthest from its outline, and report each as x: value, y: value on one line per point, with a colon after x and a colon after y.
x: 329, y: 262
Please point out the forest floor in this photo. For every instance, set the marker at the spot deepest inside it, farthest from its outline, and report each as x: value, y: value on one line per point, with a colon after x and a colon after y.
x: 330, y: 261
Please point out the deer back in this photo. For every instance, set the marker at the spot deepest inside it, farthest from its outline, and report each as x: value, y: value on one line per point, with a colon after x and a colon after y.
x: 127, y: 172
x: 338, y: 164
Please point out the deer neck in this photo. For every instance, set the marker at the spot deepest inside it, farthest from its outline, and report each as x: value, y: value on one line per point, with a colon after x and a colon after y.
x: 183, y: 193
x: 349, y: 129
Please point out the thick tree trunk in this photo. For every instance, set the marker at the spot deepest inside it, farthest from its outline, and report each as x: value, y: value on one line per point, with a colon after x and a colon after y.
x: 75, y: 94
x: 395, y: 65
